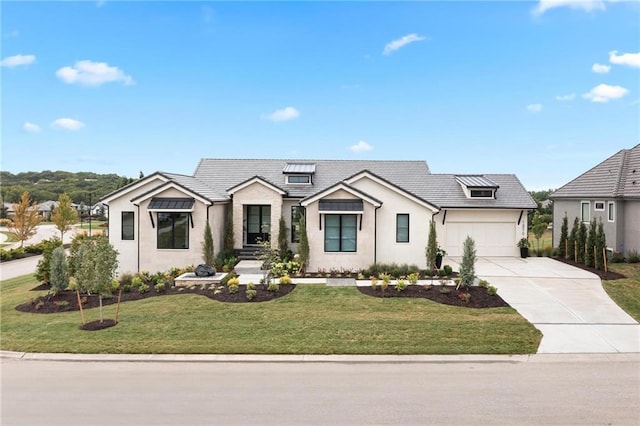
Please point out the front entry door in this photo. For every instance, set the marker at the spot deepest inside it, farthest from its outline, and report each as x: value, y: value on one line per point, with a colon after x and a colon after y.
x: 258, y: 224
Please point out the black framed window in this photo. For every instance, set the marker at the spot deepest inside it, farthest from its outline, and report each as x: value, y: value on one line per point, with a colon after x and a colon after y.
x: 340, y: 233
x: 297, y: 212
x: 128, y: 226
x: 299, y: 179
x: 402, y: 228
x: 173, y: 230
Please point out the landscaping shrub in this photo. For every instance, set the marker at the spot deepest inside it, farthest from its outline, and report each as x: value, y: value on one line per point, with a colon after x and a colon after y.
x: 413, y: 277
x: 616, y: 257
x: 234, y: 281
x: 274, y: 287
x: 633, y: 256
x: 374, y: 282
x: 59, y: 270
x: 285, y: 280
x: 467, y: 266
x: 233, y: 288
x: 143, y: 288
x: 483, y: 283
x: 251, y: 293
x: 160, y: 287
x: 401, y: 285
x: 492, y: 291
x: 126, y: 279
x: 448, y: 270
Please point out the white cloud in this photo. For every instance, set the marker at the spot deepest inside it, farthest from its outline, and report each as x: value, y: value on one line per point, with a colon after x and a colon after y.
x: 569, y: 97
x: 361, y: 146
x: 604, y: 93
x: 31, y: 127
x: 67, y: 124
x: 89, y: 73
x: 285, y: 114
x: 600, y: 69
x: 534, y: 107
x: 629, y: 59
x: 586, y: 5
x: 18, y: 60
x: 401, y: 42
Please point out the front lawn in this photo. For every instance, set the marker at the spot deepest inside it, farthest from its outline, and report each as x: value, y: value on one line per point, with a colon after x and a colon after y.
x: 626, y: 291
x: 313, y: 319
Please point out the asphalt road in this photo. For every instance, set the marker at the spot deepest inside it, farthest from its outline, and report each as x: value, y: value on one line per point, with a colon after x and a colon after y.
x: 549, y: 390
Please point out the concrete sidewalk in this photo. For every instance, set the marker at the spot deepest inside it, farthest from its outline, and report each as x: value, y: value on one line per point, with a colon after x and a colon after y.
x: 567, y: 304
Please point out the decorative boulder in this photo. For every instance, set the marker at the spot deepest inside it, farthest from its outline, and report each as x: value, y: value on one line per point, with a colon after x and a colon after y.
x: 204, y: 270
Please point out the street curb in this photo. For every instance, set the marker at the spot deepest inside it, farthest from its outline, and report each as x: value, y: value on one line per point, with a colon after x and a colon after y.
x: 340, y: 359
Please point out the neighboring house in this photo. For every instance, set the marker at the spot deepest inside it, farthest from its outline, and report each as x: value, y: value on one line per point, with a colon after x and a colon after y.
x: 609, y: 192
x: 45, y: 209
x: 357, y: 212
x: 7, y: 210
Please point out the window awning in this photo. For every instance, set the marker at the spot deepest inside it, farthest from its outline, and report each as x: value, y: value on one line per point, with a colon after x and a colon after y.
x: 171, y: 204
x: 346, y: 206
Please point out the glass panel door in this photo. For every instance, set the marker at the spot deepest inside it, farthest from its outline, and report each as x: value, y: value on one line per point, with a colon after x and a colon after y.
x: 258, y: 224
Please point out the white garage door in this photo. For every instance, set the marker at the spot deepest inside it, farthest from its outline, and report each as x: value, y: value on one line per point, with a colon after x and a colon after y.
x: 492, y: 238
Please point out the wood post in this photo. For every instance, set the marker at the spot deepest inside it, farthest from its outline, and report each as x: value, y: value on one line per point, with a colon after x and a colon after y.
x: 118, y: 307
x: 604, y: 258
x: 80, y: 306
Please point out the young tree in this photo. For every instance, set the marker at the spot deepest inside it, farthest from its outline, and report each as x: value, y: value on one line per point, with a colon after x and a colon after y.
x: 432, y: 246
x: 208, y: 255
x: 98, y: 264
x: 25, y: 219
x: 283, y: 239
x: 58, y: 270
x: 467, y: 265
x: 564, y: 230
x: 64, y: 215
x: 589, y: 255
x: 303, y: 244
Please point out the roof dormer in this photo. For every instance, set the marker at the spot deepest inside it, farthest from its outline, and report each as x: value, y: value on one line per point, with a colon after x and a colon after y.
x: 299, y: 173
x: 477, y: 187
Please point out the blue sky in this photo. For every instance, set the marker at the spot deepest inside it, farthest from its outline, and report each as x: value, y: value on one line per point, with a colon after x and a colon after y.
x: 542, y: 89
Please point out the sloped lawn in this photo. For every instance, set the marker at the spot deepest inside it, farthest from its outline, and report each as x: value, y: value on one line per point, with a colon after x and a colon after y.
x: 313, y: 319
x: 625, y: 291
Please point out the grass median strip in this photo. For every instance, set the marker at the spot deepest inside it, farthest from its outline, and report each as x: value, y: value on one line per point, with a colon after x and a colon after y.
x: 313, y: 319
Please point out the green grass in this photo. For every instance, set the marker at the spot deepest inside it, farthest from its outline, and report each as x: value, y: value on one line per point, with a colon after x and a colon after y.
x: 625, y: 292
x: 313, y: 319
x: 95, y: 224
x: 545, y: 241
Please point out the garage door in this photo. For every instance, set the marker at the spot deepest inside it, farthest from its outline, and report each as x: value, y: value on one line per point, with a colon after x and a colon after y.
x: 492, y: 238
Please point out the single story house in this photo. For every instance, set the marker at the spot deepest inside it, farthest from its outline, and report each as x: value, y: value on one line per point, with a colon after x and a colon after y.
x: 357, y: 212
x: 610, y: 192
x: 45, y: 209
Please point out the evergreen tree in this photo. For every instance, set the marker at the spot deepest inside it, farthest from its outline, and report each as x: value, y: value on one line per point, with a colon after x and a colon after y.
x: 467, y: 266
x: 573, y: 237
x: 64, y: 215
x: 563, y: 244
x: 601, y: 245
x: 303, y: 244
x: 581, y: 241
x: 25, y: 219
x: 208, y: 255
x: 283, y: 240
x: 58, y: 270
x: 228, y: 234
x: 43, y: 269
x: 432, y: 246
x: 589, y: 255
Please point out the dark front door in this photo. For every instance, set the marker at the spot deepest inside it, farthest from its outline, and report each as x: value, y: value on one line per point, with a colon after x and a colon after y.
x: 258, y: 224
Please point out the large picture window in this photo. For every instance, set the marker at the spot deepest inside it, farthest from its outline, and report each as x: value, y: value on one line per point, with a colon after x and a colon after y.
x: 340, y: 233
x: 128, y: 226
x: 402, y: 228
x: 296, y: 214
x: 173, y: 230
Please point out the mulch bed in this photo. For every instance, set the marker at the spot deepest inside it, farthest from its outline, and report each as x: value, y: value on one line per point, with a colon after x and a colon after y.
x: 67, y: 300
x: 98, y: 325
x: 479, y: 296
x: 609, y: 275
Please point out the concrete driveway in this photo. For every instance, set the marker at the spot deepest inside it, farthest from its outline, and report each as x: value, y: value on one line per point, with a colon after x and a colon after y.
x: 567, y: 304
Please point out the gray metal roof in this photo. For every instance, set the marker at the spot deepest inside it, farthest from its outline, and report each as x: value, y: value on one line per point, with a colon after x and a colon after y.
x: 616, y: 177
x: 302, y: 168
x: 160, y: 203
x: 341, y: 205
x: 476, y: 181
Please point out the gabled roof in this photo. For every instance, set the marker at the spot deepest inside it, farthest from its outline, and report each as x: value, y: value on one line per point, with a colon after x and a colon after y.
x: 476, y: 181
x: 256, y: 179
x: 341, y: 186
x: 616, y: 177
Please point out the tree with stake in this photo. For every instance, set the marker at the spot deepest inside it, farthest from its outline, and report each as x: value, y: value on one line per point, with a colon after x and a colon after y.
x: 228, y: 235
x: 283, y: 240
x: 25, y: 219
x: 573, y: 239
x: 589, y: 254
x: 601, y: 246
x: 64, y: 215
x: 539, y: 225
x: 581, y: 241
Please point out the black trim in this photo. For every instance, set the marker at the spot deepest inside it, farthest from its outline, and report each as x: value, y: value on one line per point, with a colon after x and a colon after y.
x: 444, y: 217
x: 153, y: 225
x: 520, y: 218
